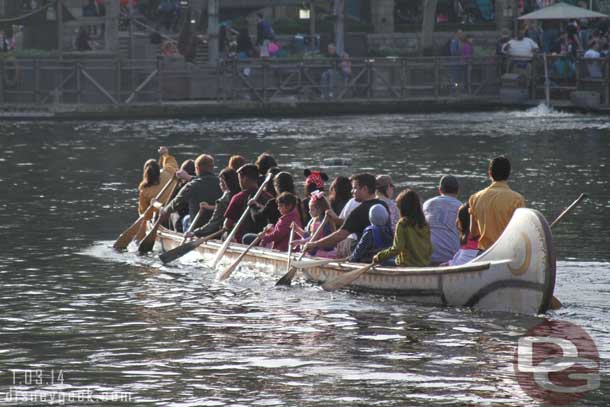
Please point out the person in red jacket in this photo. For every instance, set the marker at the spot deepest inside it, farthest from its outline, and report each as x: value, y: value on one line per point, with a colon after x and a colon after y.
x: 278, y: 235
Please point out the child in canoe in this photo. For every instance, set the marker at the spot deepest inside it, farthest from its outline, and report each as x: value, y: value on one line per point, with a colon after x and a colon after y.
x: 318, y: 205
x: 376, y: 237
x: 277, y: 236
x: 412, y: 246
x: 468, y: 249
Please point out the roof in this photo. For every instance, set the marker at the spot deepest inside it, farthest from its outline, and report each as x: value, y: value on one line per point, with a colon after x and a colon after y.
x: 562, y: 11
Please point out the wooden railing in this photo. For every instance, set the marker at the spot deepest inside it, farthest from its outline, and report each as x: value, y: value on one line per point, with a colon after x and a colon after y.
x: 80, y: 79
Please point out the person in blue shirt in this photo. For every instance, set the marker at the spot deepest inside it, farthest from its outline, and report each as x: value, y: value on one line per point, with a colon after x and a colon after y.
x: 441, y: 213
x: 376, y: 237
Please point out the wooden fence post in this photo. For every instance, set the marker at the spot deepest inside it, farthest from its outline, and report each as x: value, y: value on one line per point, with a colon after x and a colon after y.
x: 160, y: 78
x: 265, y: 62
x: 118, y: 80
x: 437, y: 85
x: 36, y: 67
x: 369, y: 74
x: 78, y: 83
x: 607, y: 86
x: 1, y: 81
x: 403, y: 75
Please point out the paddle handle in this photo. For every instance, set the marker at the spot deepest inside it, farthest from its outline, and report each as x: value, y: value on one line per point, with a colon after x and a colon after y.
x: 568, y: 209
x: 290, y: 246
x: 227, y: 242
x: 192, y: 225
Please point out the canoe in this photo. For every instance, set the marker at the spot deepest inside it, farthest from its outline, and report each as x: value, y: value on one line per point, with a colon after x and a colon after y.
x: 516, y: 274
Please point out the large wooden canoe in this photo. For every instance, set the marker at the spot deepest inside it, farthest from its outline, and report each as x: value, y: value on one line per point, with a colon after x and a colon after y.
x: 517, y: 274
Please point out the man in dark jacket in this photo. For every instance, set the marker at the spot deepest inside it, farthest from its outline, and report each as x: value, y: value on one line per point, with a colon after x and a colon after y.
x: 202, y: 188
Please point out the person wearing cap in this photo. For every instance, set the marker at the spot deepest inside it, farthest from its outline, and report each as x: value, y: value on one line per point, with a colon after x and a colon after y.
x: 384, y: 190
x: 248, y: 181
x: 492, y: 208
x: 376, y: 237
x: 441, y: 213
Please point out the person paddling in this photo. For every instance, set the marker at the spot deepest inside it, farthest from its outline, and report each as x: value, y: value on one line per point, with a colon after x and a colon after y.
x: 229, y: 185
x: 363, y: 190
x: 492, y: 208
x: 202, y: 188
x: 248, y: 181
x: 278, y: 235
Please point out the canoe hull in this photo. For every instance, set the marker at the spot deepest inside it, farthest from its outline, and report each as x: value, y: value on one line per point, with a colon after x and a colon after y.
x: 517, y: 274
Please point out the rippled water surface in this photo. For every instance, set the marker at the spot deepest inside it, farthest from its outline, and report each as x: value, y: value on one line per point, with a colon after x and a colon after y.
x: 171, y: 336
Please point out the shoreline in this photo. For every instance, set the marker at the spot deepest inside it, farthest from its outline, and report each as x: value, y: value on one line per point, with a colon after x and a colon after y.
x: 286, y: 107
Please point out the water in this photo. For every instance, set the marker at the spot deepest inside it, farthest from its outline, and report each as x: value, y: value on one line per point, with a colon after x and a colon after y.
x: 171, y: 336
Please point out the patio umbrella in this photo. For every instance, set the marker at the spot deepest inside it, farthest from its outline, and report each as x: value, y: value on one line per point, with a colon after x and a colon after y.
x: 562, y: 11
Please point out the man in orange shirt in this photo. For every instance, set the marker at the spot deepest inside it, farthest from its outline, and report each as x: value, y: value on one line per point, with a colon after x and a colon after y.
x: 492, y: 208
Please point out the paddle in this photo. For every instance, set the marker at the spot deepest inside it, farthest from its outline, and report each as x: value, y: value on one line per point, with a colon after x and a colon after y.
x: 290, y: 247
x: 148, y: 242
x: 568, y: 209
x: 193, y: 224
x: 306, y: 264
x: 185, y: 248
x: 287, y: 278
x: 555, y: 303
x: 227, y: 272
x: 221, y: 251
x: 346, y: 278
x: 128, y: 234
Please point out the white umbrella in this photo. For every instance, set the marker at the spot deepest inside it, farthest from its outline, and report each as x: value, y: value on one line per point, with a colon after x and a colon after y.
x: 562, y: 11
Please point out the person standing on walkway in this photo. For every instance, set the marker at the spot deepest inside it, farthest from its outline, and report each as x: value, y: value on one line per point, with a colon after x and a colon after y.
x: 264, y: 34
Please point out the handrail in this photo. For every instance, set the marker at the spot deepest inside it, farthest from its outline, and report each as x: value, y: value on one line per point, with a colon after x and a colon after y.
x: 161, y: 80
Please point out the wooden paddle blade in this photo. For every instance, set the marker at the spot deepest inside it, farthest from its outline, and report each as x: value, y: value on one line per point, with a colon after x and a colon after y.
x: 128, y: 234
x: 287, y: 278
x: 346, y: 278
x: 147, y: 244
x: 183, y: 249
x: 555, y: 304
x: 229, y: 270
x: 180, y: 251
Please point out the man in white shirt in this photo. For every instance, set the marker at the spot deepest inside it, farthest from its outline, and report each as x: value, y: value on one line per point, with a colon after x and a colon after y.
x: 593, y: 65
x: 521, y: 47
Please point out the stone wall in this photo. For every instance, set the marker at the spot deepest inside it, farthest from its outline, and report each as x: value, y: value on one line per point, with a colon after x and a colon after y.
x: 409, y: 43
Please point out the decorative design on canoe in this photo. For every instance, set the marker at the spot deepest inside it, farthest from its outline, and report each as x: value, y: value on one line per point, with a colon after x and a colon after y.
x: 524, y: 267
x: 502, y: 284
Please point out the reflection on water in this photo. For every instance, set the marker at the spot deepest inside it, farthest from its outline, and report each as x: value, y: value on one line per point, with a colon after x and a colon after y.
x: 173, y: 336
